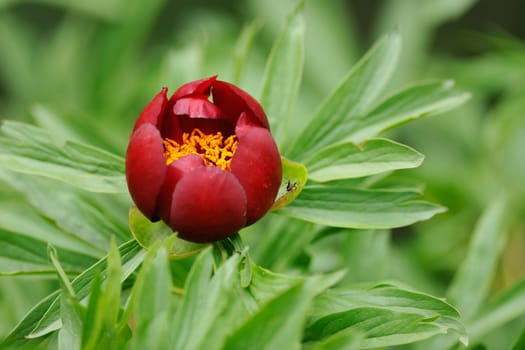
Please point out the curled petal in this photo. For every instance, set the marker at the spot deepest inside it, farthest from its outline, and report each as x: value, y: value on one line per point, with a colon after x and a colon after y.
x: 153, y: 111
x: 233, y: 101
x: 257, y: 166
x: 175, y: 172
x: 244, y: 125
x: 195, y: 107
x: 145, y: 168
x: 197, y: 87
x: 208, y: 204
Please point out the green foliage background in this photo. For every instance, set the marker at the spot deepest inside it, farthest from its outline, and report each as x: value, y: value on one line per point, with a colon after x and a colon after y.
x: 81, y: 71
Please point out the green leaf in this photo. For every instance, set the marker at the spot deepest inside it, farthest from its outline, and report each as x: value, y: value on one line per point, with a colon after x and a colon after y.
x: 17, y: 216
x: 31, y: 150
x: 101, y: 322
x: 506, y: 307
x: 266, y: 284
x: 215, y: 304
x: 358, y: 208
x: 349, y: 339
x: 519, y: 344
x: 151, y: 301
x: 388, y: 315
x: 208, y: 304
x: 365, y: 253
x: 24, y: 249
x: 93, y: 324
x: 413, y: 102
x: 351, y: 99
x: 92, y: 218
x: 112, y: 288
x: 147, y: 233
x: 278, y: 248
x: 17, y: 44
x: 293, y: 181
x: 69, y: 336
x: 44, y: 317
x: 473, y: 279
x: 283, y: 74
x: 242, y: 49
x: 349, y: 160
x: 274, y: 330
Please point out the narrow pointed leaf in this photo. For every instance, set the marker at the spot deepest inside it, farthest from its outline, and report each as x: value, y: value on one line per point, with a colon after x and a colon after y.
x: 151, y: 301
x: 206, y: 301
x: 283, y: 73
x: 31, y: 150
x: 351, y: 99
x: 274, y: 330
x: 349, y: 160
x: 24, y: 249
x: 388, y: 315
x: 19, y: 217
x: 496, y: 313
x: 344, y: 340
x: 91, y: 219
x: 69, y: 335
x: 357, y: 208
x: 520, y: 342
x: 242, y: 49
x: 413, y: 102
x: 44, y: 317
x: 474, y: 277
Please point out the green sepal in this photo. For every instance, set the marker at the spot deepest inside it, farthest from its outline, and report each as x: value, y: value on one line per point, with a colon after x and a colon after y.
x: 294, y: 179
x: 146, y: 233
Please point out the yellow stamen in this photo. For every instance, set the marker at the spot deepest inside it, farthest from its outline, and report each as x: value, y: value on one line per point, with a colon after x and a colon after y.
x: 213, y: 149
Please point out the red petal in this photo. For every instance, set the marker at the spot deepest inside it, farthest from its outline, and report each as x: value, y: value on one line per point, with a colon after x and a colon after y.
x: 257, y: 165
x: 195, y: 107
x: 171, y: 128
x: 176, y: 171
x: 209, y: 204
x: 153, y: 110
x: 244, y: 125
x: 233, y: 101
x: 197, y: 87
x: 207, y: 126
x: 145, y: 168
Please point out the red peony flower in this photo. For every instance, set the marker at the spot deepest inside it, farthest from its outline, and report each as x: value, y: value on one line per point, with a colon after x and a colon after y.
x: 206, y: 168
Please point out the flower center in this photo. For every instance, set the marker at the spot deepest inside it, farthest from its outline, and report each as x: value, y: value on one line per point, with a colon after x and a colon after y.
x: 213, y: 149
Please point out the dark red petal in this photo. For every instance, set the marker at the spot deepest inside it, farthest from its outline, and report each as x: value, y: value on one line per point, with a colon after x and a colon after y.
x: 244, y: 125
x: 171, y: 127
x: 197, y: 87
x: 233, y: 101
x: 209, y: 204
x: 257, y: 165
x: 207, y: 126
x: 153, y: 110
x: 145, y: 168
x: 195, y: 107
x: 176, y: 171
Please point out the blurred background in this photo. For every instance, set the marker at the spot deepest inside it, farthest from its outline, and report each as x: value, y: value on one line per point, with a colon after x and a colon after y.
x: 84, y: 69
